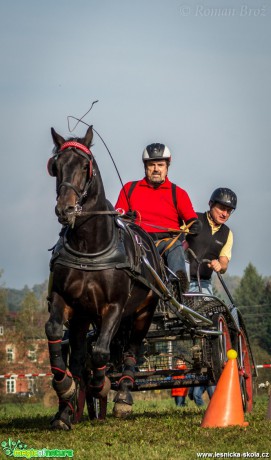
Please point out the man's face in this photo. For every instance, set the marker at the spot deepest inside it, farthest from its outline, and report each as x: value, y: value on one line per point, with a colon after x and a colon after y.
x: 156, y: 171
x: 220, y: 213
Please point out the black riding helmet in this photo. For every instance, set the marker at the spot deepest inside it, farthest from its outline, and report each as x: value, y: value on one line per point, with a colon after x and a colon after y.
x: 224, y: 196
x: 156, y: 152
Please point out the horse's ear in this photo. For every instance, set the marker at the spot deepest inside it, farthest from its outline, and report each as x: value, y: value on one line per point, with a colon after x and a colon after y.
x: 88, y: 137
x: 58, y: 140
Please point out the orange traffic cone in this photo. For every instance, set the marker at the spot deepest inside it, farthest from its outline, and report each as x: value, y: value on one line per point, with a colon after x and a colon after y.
x: 225, y: 407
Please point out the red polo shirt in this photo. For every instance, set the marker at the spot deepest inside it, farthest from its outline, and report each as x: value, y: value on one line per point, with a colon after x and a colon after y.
x: 155, y: 206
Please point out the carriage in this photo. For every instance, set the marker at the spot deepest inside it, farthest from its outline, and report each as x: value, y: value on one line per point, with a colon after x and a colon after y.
x: 199, y: 327
x: 127, y: 322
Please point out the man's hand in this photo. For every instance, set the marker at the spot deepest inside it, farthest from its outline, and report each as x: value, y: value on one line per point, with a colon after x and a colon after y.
x: 219, y: 265
x: 130, y: 215
x: 195, y: 228
x: 215, y: 265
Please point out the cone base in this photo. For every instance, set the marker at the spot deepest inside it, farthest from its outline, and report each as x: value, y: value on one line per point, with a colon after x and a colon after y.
x: 206, y: 425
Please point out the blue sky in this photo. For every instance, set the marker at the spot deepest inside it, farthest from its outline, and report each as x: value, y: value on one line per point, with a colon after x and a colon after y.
x: 194, y: 75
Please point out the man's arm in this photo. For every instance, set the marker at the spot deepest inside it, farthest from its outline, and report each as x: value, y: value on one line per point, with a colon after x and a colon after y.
x: 221, y: 264
x: 122, y: 199
x: 184, y: 206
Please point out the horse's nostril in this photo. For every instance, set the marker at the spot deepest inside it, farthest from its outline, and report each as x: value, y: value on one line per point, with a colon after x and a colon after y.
x: 60, y: 211
x: 69, y: 209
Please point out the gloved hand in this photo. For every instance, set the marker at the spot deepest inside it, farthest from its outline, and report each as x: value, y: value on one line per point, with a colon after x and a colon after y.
x: 195, y: 228
x: 131, y: 215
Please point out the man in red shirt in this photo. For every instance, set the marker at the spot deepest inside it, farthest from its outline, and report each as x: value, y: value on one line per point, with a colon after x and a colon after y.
x: 160, y: 208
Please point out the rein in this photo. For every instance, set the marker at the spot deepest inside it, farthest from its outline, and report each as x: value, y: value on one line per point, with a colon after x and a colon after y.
x: 171, y: 241
x: 93, y: 213
x: 183, y: 229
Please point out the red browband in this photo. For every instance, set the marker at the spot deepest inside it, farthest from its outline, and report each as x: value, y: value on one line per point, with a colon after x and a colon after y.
x: 75, y: 145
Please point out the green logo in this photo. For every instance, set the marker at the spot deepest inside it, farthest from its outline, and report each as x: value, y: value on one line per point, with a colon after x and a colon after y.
x: 18, y: 449
x: 9, y: 446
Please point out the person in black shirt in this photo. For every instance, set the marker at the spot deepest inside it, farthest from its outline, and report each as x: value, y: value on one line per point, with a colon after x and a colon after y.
x: 215, y: 240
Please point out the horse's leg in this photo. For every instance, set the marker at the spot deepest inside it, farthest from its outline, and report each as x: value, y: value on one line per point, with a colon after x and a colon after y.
x: 123, y: 399
x: 63, y: 382
x: 98, y: 384
x: 101, y: 350
x: 77, y: 334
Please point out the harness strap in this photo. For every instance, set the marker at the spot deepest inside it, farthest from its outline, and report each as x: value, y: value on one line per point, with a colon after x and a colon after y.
x: 173, y: 240
x: 132, y: 186
x: 170, y: 244
x: 131, y: 271
x: 137, y: 251
x: 174, y: 195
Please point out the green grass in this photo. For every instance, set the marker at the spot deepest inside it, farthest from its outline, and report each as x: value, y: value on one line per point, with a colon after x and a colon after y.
x: 156, y: 430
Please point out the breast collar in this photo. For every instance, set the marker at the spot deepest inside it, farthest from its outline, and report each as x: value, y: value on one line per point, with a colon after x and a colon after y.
x: 113, y: 254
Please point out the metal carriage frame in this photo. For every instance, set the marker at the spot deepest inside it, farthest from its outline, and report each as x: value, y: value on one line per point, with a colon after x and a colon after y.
x: 204, y: 348
x: 200, y: 327
x: 197, y: 326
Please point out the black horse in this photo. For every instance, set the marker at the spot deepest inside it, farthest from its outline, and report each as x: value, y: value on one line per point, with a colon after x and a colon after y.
x: 99, y: 282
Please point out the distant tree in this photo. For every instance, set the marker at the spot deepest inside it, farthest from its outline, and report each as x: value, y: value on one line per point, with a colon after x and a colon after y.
x: 15, y: 297
x: 40, y: 289
x: 28, y: 317
x: 250, y: 291
x: 265, y: 339
x: 3, y: 302
x: 253, y: 297
x: 232, y: 282
x: 267, y: 291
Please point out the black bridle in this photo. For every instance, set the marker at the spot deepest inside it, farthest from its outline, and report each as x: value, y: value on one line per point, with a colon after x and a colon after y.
x: 84, y: 152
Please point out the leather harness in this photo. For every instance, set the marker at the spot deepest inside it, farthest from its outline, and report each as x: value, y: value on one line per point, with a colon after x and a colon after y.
x: 112, y: 257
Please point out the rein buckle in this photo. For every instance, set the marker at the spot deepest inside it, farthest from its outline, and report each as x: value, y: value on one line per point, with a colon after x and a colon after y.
x: 77, y: 209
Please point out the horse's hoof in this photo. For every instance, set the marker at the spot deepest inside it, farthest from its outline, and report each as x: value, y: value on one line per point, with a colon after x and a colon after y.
x: 122, y: 410
x: 106, y: 388
x: 60, y: 425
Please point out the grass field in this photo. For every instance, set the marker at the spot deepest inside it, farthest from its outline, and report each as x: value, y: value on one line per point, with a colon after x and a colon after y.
x: 156, y: 430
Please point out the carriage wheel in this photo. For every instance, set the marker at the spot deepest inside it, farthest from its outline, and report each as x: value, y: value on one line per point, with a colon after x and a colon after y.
x: 220, y: 345
x: 97, y: 407
x: 245, y: 371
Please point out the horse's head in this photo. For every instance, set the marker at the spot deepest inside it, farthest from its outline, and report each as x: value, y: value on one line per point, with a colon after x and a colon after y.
x: 72, y: 165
